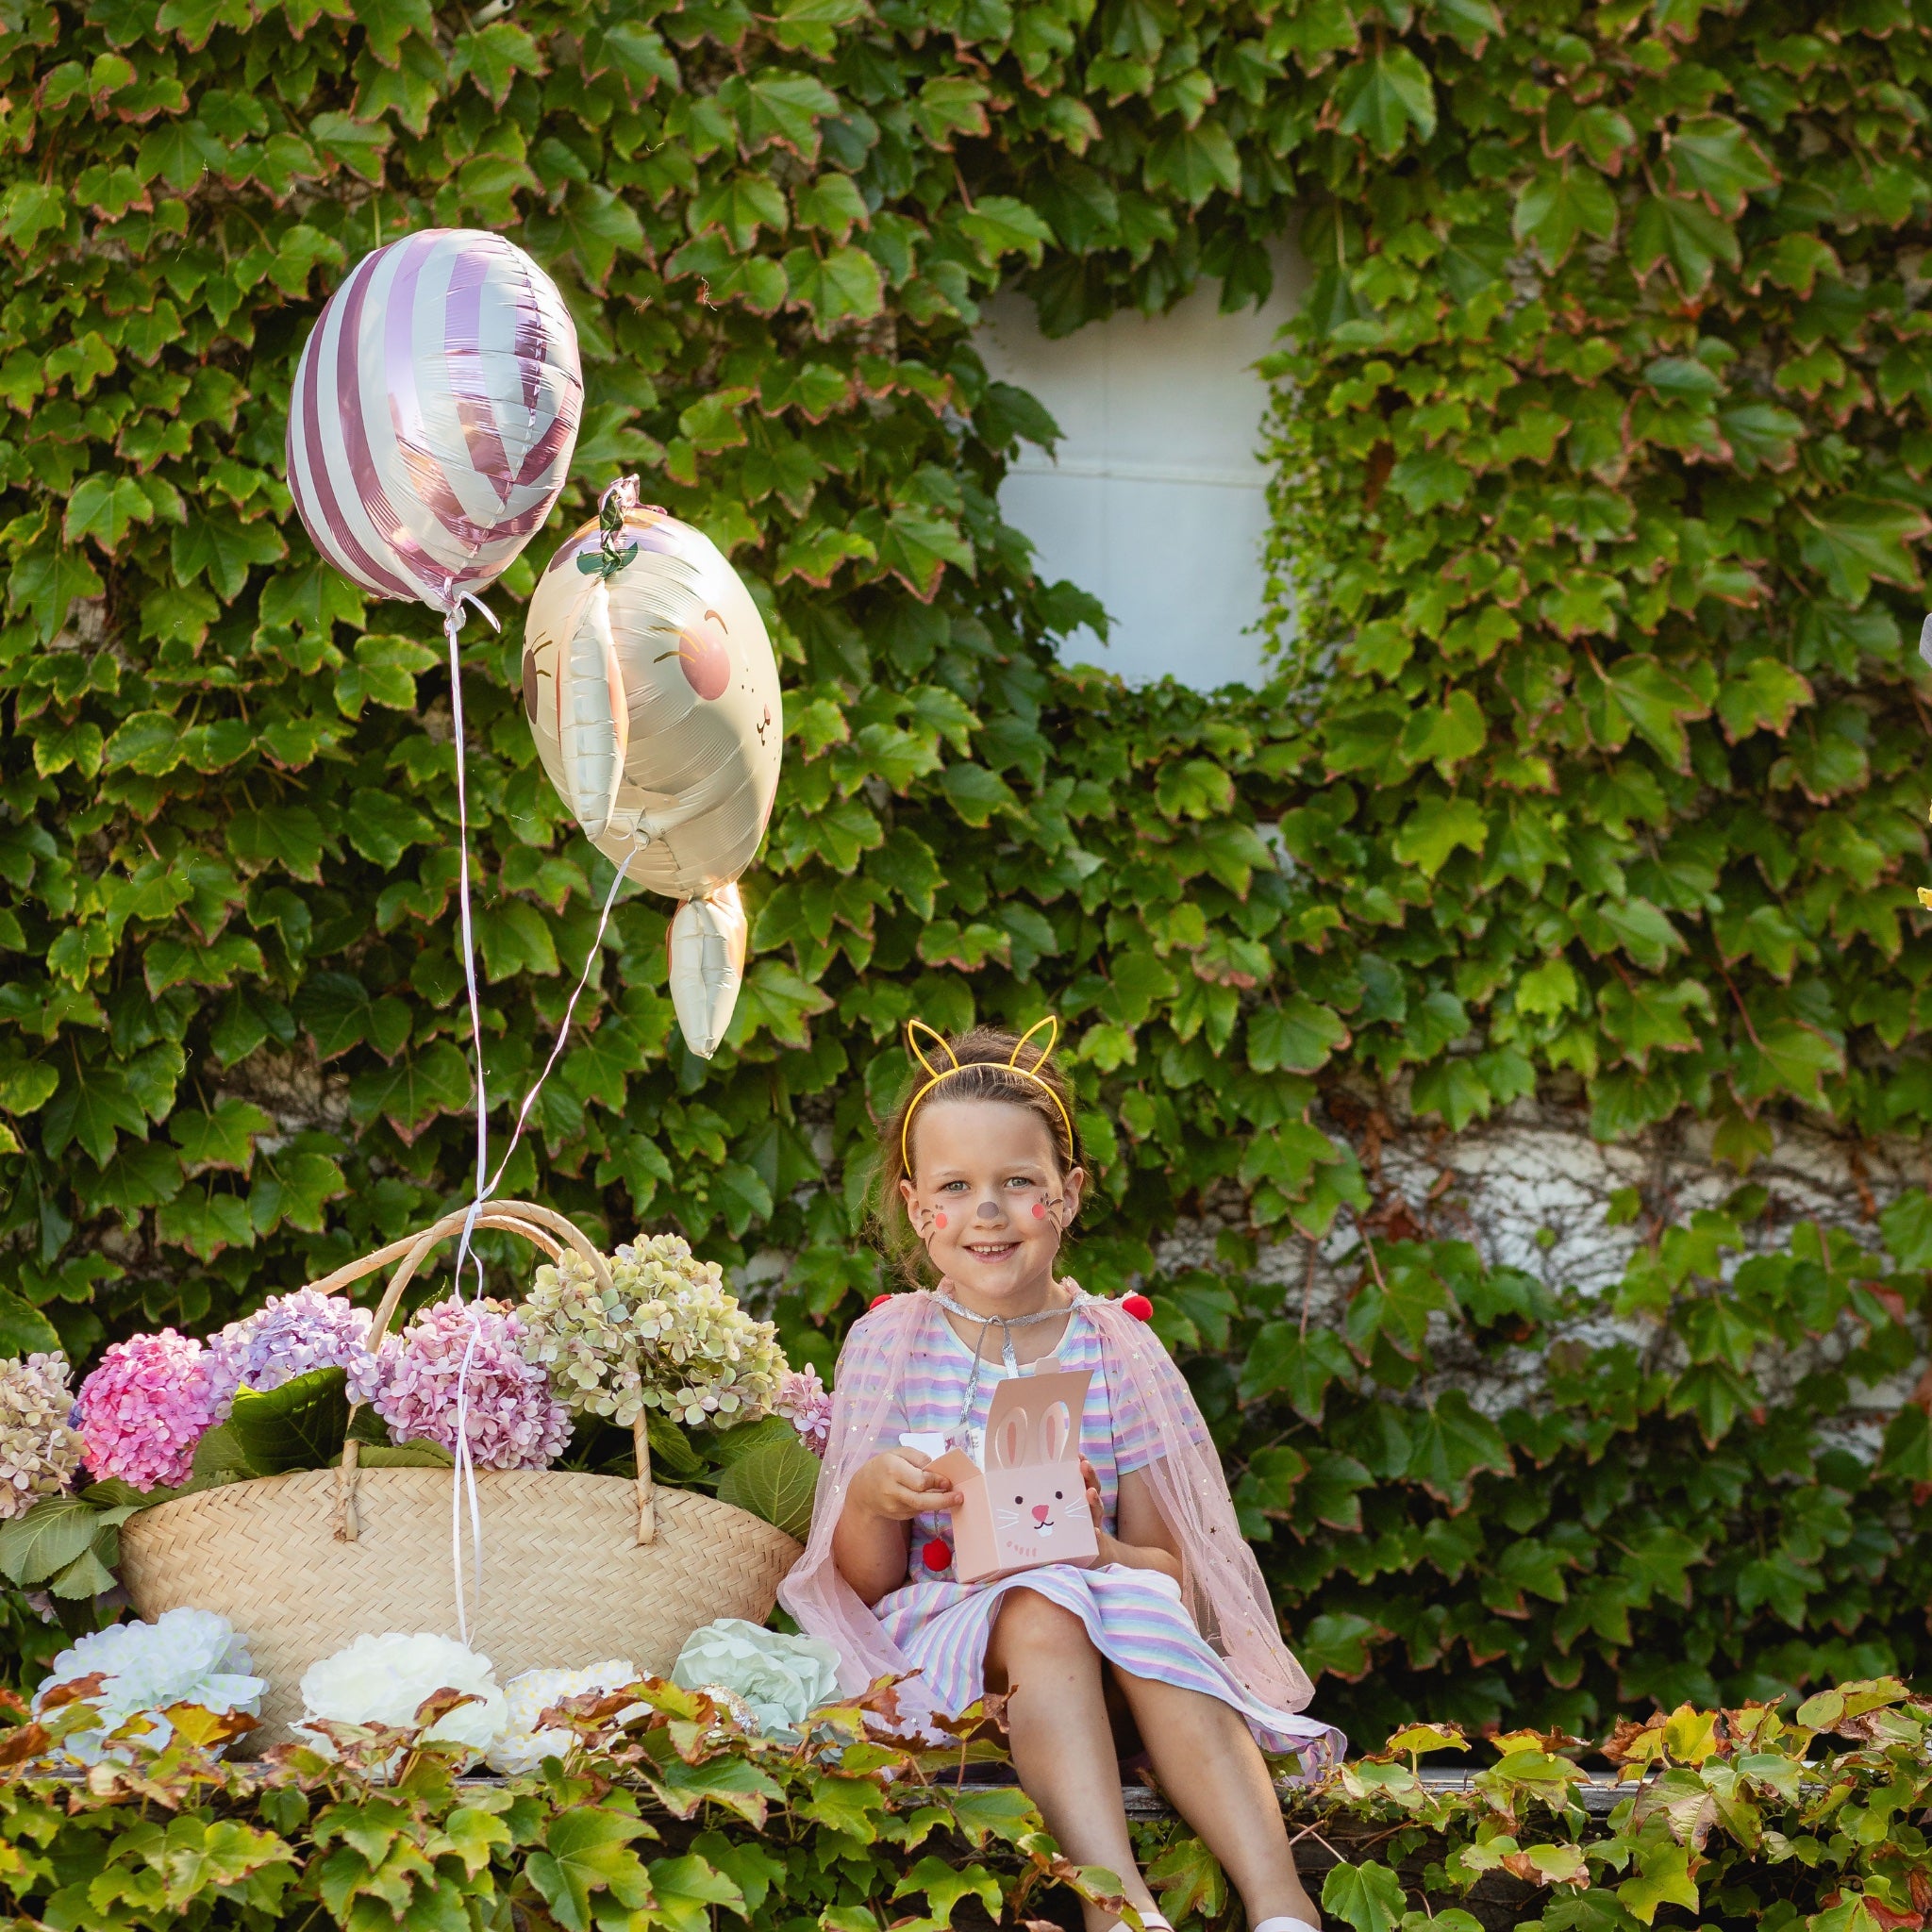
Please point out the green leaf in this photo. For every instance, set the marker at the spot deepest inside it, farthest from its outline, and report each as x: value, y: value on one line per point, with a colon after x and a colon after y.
x: 782, y: 110
x: 1657, y: 699
x: 23, y: 1330
x: 1382, y: 97
x: 587, y: 1850
x: 1684, y: 233
x: 1194, y: 162
x: 223, y: 547
x: 843, y: 285
x: 1296, y: 1035
x: 300, y: 1425
x: 290, y: 836
x: 1368, y: 1897
x: 359, y: 145
x: 1764, y: 698
x: 1434, y: 830
x: 1559, y: 204
x: 1854, y: 539
x: 50, y: 1536
x: 775, y: 1480
x: 1712, y: 154
x: 1452, y: 1445
x: 224, y: 1138
x: 415, y: 1089
x: 106, y: 509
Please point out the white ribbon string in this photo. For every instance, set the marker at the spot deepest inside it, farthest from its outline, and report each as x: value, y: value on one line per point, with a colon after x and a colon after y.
x: 464, y: 1484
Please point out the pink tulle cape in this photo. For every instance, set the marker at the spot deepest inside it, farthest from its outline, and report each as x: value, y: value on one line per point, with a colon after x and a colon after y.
x: 1221, y: 1582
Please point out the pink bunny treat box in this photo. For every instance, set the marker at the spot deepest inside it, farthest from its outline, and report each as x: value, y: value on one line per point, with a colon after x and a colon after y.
x: 1026, y: 1502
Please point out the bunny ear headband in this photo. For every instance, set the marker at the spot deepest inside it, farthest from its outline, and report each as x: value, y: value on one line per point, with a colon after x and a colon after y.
x: 1010, y: 1065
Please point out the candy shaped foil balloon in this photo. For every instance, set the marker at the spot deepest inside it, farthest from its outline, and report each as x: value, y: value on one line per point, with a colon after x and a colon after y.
x: 653, y: 696
x: 434, y: 415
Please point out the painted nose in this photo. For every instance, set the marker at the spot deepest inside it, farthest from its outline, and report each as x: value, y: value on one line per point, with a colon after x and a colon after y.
x: 988, y: 1211
x: 1041, y: 1512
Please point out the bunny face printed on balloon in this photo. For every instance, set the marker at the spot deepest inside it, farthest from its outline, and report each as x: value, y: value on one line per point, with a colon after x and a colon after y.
x: 653, y: 696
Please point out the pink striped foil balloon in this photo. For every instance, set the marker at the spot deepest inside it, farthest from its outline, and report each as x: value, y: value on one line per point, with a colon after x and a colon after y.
x: 434, y: 415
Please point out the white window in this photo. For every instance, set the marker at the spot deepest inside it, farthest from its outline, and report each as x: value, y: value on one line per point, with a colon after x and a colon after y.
x: 1155, y: 498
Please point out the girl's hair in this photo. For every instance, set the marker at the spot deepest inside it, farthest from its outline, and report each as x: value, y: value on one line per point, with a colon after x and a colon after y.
x: 986, y: 1061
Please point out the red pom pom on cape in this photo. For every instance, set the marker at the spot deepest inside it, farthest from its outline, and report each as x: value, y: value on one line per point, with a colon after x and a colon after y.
x: 937, y: 1554
x: 1138, y: 1307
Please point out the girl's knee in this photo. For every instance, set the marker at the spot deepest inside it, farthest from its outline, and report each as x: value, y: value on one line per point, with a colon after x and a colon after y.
x: 1035, y: 1625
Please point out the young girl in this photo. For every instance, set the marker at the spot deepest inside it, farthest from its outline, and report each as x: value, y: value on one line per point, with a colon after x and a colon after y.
x: 1172, y: 1619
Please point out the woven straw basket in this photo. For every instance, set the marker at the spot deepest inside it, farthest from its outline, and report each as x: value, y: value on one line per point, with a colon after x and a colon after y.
x: 576, y: 1568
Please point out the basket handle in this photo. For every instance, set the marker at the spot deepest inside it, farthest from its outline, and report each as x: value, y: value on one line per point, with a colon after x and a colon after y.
x: 544, y: 1229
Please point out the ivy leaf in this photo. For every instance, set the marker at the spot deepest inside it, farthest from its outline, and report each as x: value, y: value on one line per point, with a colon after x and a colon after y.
x: 1764, y: 698
x: 1296, y: 1036
x: 1657, y: 699
x: 335, y: 1010
x: 1368, y: 1897
x: 917, y: 546
x: 1453, y: 1442
x: 1382, y: 97
x: 388, y: 23
x: 843, y: 285
x: 106, y: 509
x: 219, y: 545
x: 413, y: 1092
x: 780, y: 110
x: 288, y: 836
x: 204, y: 1222
x: 224, y: 1138
x: 599, y: 227
x: 1558, y: 204
x: 45, y: 583
x: 1712, y: 154
x: 999, y: 225
x: 359, y: 145
x: 1687, y: 235
x: 1194, y: 162
x: 1434, y: 830
x: 587, y: 1850
x: 93, y: 1106
x: 742, y: 205
x: 1856, y: 538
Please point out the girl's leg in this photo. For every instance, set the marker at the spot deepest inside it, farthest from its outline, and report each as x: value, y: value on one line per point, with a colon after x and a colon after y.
x: 1213, y: 1772
x: 1062, y: 1742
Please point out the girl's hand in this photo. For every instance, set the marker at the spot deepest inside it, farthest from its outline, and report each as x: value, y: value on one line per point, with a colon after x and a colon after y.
x: 1098, y: 1509
x: 899, y: 1485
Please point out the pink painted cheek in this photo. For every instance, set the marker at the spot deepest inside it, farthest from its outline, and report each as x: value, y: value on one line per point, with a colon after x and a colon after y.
x: 1040, y: 1210
x: 939, y: 1221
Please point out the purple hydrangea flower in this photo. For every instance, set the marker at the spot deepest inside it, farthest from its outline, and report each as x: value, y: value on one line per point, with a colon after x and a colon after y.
x: 287, y: 1337
x: 806, y: 1403
x: 144, y: 1408
x: 411, y: 1383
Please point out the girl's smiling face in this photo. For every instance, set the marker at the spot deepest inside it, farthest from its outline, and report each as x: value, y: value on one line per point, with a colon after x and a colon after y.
x: 989, y: 1200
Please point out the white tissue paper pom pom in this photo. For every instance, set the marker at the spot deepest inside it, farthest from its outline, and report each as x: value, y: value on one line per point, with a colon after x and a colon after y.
x: 782, y: 1679
x: 522, y: 1747
x: 184, y: 1656
x: 383, y: 1680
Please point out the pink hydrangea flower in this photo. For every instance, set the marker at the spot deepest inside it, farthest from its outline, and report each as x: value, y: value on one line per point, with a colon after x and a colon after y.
x: 512, y: 1423
x: 806, y: 1403
x: 144, y: 1410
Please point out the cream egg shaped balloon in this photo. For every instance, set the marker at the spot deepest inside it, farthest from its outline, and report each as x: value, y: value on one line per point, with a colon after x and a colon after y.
x: 653, y: 696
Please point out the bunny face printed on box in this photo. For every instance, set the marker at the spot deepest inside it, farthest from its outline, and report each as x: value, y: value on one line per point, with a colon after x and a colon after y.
x: 1027, y: 1505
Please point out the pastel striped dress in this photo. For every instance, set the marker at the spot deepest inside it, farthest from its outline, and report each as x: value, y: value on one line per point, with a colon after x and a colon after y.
x: 1134, y: 1617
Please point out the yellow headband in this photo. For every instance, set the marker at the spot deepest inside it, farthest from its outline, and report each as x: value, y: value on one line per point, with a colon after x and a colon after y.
x: 1011, y: 1065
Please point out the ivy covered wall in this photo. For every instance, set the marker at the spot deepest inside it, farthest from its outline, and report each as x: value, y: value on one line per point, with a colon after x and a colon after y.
x: 1595, y: 776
